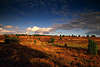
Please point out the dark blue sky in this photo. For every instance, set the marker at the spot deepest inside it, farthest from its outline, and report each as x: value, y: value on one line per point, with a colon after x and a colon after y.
x: 43, y: 13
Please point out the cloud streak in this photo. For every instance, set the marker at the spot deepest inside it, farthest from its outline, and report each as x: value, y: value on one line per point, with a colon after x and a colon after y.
x: 86, y: 21
x: 9, y: 29
x: 39, y: 30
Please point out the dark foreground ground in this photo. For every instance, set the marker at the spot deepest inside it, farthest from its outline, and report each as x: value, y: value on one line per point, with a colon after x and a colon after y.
x: 16, y: 55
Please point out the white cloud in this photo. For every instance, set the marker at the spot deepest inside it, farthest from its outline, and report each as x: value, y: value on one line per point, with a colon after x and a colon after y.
x: 9, y: 29
x: 39, y: 30
x: 4, y: 31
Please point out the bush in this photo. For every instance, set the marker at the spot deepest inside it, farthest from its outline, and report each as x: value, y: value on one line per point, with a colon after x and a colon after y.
x: 34, y: 41
x: 10, y: 40
x: 92, y: 47
x: 38, y: 38
x: 51, y: 40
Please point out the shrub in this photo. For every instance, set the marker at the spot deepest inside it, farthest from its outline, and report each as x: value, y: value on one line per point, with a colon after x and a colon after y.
x: 92, y: 47
x: 10, y: 40
x: 51, y: 40
x: 38, y: 38
x: 34, y: 41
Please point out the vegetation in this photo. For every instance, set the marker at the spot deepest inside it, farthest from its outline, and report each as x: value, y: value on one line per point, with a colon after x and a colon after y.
x: 34, y: 41
x: 71, y: 52
x: 63, y: 35
x: 60, y: 37
x: 93, y: 36
x: 87, y: 35
x: 65, y: 45
x: 21, y: 34
x: 38, y: 38
x: 6, y: 35
x: 51, y: 40
x: 92, y: 47
x: 79, y: 36
x: 10, y: 40
x: 39, y: 35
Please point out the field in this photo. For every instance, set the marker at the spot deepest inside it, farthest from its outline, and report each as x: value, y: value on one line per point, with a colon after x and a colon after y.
x: 48, y: 51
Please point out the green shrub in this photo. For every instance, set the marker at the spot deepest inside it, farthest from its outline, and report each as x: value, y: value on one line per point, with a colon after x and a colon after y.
x: 38, y: 38
x: 34, y: 41
x: 92, y: 47
x: 51, y: 40
x: 10, y: 40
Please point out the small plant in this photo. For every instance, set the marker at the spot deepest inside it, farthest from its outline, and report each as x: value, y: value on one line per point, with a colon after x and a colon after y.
x: 38, y: 38
x: 34, y: 41
x: 51, y: 40
x: 92, y: 47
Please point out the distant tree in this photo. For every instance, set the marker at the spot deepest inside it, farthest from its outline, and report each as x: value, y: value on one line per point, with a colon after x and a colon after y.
x: 36, y: 34
x: 78, y: 35
x: 60, y: 37
x: 69, y: 35
x: 93, y: 36
x: 63, y: 35
x: 21, y: 34
x: 72, y: 35
x: 65, y: 45
x: 92, y: 47
x: 87, y: 35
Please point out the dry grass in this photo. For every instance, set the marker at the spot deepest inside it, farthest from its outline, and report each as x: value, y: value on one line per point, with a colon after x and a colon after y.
x: 44, y: 54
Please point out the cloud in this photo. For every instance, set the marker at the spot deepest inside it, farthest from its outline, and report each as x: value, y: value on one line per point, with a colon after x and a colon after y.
x: 4, y: 31
x: 86, y: 21
x: 9, y: 29
x: 8, y: 26
x: 38, y: 30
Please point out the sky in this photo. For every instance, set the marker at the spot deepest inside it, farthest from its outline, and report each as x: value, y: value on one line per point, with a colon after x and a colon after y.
x: 54, y: 17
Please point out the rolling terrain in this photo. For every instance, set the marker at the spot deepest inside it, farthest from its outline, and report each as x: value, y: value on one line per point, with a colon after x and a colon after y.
x: 39, y: 51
